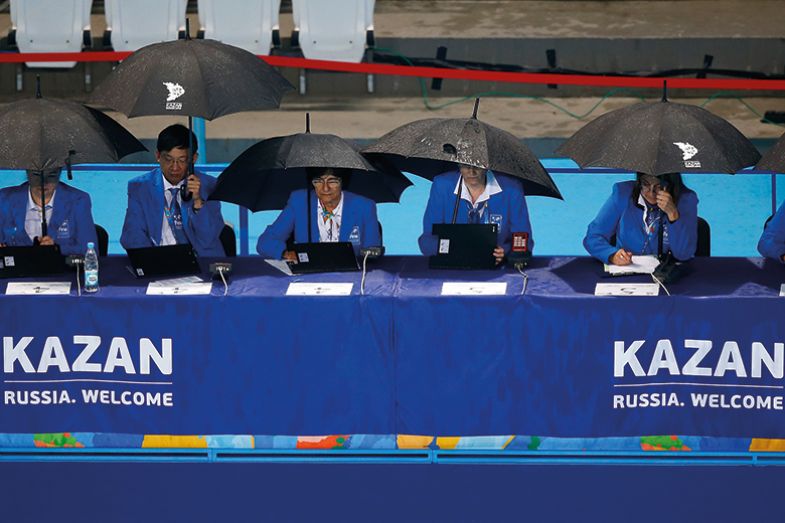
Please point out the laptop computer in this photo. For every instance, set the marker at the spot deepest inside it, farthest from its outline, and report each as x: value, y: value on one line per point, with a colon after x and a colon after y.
x: 18, y: 262
x: 324, y: 257
x: 168, y: 260
x: 464, y: 246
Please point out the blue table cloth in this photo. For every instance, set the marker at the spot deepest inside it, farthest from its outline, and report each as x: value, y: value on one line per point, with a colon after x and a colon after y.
x: 402, y: 359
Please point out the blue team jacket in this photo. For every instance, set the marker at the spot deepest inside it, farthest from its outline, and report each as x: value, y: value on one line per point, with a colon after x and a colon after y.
x: 145, y: 213
x: 772, y: 241
x: 359, y: 224
x: 507, y: 209
x: 71, y: 225
x: 624, y: 218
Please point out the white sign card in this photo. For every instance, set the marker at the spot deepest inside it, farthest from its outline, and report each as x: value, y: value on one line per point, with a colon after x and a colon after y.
x: 626, y: 289
x: 38, y: 287
x: 319, y: 289
x: 474, y: 288
x: 188, y: 286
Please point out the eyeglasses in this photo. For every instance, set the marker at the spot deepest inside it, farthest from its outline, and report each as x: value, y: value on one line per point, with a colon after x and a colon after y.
x: 330, y: 182
x: 180, y: 162
x: 650, y: 187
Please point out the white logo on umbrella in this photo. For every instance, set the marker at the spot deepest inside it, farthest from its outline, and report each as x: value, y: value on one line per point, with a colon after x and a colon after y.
x: 175, y: 91
x: 687, y: 149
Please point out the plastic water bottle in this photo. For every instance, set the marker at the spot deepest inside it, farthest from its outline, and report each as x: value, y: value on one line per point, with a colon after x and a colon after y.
x: 90, y: 269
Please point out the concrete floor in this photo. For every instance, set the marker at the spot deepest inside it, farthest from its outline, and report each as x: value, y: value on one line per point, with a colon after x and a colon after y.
x: 372, y: 116
x: 543, y: 18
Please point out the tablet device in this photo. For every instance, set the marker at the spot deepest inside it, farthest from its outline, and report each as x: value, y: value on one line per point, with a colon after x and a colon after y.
x: 324, y: 257
x: 18, y: 262
x: 464, y: 246
x: 168, y: 260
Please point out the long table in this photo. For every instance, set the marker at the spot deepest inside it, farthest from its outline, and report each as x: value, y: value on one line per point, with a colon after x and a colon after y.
x: 554, y: 361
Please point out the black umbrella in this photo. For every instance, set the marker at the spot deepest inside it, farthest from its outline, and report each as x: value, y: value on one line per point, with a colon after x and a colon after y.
x: 264, y: 175
x: 42, y: 135
x: 202, y: 78
x: 660, y: 138
x: 774, y: 159
x: 435, y: 145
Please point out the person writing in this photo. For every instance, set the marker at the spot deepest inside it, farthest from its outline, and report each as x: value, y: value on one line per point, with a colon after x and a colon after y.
x: 337, y: 215
x: 634, y: 213
x: 68, y: 213
x: 158, y: 215
x: 486, y: 198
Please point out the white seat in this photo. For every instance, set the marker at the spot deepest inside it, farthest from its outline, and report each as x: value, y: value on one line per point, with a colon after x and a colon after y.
x: 133, y: 24
x: 248, y: 24
x: 334, y: 30
x: 50, y: 26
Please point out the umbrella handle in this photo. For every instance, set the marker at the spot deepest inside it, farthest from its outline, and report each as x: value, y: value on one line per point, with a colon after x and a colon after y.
x: 185, y: 194
x: 457, y: 198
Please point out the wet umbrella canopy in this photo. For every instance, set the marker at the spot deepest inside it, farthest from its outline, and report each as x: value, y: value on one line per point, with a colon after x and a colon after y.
x: 201, y: 78
x: 263, y: 176
x: 38, y: 135
x: 44, y: 135
x: 432, y: 146
x: 774, y: 159
x: 660, y: 138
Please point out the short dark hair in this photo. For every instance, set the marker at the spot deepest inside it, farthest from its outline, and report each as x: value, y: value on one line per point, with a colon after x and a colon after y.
x: 317, y: 172
x: 176, y: 136
x: 672, y: 181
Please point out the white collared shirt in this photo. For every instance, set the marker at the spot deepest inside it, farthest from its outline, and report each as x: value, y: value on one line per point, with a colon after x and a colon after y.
x: 491, y: 187
x: 33, y: 215
x: 167, y: 236
x: 330, y: 230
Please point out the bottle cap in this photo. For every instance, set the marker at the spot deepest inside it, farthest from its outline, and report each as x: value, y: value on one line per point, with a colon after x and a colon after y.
x: 90, y: 245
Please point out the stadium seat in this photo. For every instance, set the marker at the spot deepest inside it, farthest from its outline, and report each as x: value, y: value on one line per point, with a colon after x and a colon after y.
x: 132, y: 24
x: 103, y: 240
x: 249, y: 24
x: 228, y: 240
x: 40, y: 26
x: 337, y: 30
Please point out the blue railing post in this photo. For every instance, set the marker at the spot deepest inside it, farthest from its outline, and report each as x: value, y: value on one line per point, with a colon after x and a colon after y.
x: 244, y: 232
x: 199, y: 131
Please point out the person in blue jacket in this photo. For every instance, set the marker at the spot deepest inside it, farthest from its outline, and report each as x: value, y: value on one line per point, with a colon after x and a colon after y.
x: 633, y: 213
x: 336, y: 215
x: 68, y: 210
x: 486, y: 197
x: 156, y: 213
x: 772, y: 241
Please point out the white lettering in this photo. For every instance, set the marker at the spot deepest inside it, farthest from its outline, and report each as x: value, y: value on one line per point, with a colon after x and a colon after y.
x: 691, y: 368
x: 623, y: 357
x: 82, y: 363
x: 730, y: 359
x: 664, y: 358
x: 13, y: 353
x: 775, y: 364
x: 162, y: 360
x: 53, y: 354
x: 119, y: 356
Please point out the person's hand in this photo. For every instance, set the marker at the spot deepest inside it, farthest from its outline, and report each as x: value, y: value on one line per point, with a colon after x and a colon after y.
x: 46, y: 240
x: 621, y: 257
x: 498, y: 253
x: 193, y: 185
x: 290, y: 256
x: 665, y: 202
